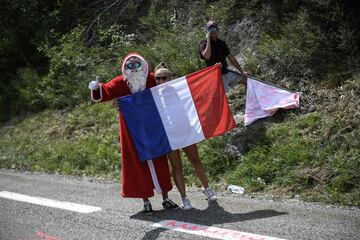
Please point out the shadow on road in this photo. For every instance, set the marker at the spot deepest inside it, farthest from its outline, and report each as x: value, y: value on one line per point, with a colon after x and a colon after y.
x: 213, y: 214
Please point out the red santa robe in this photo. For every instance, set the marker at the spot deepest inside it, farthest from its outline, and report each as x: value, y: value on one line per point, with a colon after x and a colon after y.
x: 137, y: 180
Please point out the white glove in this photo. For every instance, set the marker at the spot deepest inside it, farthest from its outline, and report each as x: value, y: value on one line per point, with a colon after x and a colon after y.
x: 93, y: 85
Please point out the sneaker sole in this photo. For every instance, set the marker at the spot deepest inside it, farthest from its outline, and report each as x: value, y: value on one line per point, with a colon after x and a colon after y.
x: 186, y: 209
x: 213, y: 198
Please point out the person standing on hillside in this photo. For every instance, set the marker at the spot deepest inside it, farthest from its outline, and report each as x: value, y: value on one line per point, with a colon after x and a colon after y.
x: 214, y: 50
x: 162, y: 75
x: 138, y: 178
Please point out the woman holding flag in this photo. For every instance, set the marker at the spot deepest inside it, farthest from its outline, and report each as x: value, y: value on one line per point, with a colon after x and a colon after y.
x: 162, y: 75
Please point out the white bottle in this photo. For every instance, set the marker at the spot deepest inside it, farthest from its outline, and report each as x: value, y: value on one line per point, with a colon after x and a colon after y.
x: 236, y: 189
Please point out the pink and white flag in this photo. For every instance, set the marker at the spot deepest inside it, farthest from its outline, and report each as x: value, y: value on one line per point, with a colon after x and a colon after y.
x: 263, y: 100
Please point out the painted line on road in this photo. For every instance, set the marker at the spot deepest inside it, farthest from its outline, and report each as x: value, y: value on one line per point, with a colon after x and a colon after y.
x: 213, y: 232
x: 49, y: 202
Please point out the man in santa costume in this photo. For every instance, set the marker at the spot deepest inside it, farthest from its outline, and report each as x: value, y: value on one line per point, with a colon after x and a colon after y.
x: 138, y: 178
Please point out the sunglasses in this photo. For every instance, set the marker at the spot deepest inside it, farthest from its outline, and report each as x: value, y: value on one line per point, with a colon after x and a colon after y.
x: 212, y: 29
x: 162, y: 78
x: 132, y: 65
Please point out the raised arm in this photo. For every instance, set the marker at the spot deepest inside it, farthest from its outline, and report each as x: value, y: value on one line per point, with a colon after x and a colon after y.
x: 206, y: 50
x: 108, y: 91
x: 235, y: 63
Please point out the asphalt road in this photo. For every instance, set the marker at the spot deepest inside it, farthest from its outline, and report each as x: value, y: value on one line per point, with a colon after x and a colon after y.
x: 120, y: 218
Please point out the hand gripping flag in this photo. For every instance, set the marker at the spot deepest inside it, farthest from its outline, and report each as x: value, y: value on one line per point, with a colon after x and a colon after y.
x: 263, y: 100
x: 178, y: 113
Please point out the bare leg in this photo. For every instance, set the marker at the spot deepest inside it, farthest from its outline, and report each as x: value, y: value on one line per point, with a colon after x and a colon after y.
x: 178, y: 173
x: 193, y: 155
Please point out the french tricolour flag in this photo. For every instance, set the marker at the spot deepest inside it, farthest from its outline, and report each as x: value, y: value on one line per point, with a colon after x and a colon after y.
x: 178, y: 113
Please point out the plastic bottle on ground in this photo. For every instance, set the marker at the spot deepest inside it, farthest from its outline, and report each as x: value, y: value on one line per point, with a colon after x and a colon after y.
x: 236, y: 189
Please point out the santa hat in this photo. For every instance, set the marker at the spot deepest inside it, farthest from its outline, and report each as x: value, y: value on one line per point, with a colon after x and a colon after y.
x: 135, y: 54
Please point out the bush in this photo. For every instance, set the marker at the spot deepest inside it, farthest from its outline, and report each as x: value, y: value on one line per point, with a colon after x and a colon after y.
x: 72, y: 66
x: 313, y: 42
x: 82, y: 142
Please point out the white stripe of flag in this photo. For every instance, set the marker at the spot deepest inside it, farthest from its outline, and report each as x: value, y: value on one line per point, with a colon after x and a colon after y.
x: 178, y: 113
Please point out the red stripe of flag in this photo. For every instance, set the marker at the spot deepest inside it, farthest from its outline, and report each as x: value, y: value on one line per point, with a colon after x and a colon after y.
x: 208, y: 93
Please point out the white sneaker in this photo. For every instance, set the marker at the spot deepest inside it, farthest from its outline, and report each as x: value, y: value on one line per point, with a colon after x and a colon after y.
x: 186, y: 204
x: 210, y: 194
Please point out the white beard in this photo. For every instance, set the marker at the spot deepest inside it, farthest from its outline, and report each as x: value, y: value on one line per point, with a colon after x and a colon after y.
x: 136, y: 80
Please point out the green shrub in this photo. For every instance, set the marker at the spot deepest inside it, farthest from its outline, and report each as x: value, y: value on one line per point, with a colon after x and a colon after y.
x: 84, y: 141
x: 310, y: 42
x: 73, y: 65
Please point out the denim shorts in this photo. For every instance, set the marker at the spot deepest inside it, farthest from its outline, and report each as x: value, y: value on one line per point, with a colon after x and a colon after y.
x: 231, y: 79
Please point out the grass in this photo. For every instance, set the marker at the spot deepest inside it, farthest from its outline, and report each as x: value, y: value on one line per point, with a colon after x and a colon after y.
x: 315, y: 156
x: 81, y: 142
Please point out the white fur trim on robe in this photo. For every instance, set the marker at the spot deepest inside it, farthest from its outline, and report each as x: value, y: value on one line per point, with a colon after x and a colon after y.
x: 154, y: 176
x: 92, y: 94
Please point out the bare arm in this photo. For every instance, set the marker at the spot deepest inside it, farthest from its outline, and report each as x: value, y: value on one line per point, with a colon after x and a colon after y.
x: 207, y: 52
x: 235, y: 63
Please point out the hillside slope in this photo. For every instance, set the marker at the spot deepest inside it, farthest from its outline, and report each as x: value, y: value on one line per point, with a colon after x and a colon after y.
x: 313, y: 154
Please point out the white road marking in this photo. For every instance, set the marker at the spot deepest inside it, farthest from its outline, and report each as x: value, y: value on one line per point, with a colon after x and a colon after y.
x: 213, y: 232
x: 49, y: 202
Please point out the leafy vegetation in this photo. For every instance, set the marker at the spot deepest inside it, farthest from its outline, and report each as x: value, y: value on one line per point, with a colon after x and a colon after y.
x: 50, y: 50
x: 65, y: 142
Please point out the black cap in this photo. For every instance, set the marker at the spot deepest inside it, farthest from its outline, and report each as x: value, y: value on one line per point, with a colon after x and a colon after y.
x: 212, y: 26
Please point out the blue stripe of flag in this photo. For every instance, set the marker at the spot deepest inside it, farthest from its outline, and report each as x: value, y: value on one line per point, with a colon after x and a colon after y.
x: 145, y: 125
